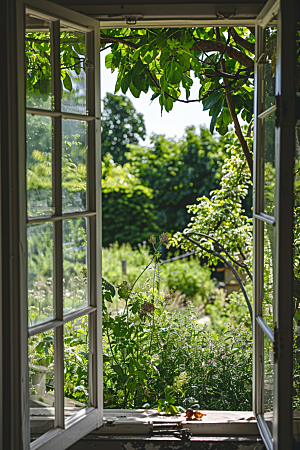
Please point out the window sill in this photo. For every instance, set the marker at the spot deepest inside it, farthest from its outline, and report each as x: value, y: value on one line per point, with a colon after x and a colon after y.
x: 151, y: 423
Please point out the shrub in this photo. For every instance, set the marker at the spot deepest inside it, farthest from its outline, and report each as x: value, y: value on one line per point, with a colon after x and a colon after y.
x: 187, y: 276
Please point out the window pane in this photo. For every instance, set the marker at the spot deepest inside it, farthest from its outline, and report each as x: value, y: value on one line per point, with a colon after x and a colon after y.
x: 268, y: 382
x: 267, y: 305
x: 76, y: 361
x: 269, y: 164
x: 39, y: 165
x: 40, y: 273
x: 73, y: 70
x: 74, y: 264
x: 38, y: 62
x: 74, y: 167
x: 270, y: 66
x: 41, y: 383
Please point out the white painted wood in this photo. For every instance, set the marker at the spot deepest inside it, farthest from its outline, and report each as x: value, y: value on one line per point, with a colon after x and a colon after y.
x: 268, y: 13
x: 76, y: 427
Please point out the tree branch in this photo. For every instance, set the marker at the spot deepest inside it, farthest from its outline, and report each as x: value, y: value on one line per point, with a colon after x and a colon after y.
x: 229, y: 265
x: 250, y: 46
x: 211, y: 46
x: 200, y: 46
x: 241, y: 265
x: 237, y: 126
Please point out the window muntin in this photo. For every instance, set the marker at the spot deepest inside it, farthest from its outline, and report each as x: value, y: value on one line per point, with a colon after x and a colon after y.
x: 62, y: 296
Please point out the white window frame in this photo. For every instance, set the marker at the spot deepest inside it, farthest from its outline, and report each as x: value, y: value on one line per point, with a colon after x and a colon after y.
x: 282, y: 335
x: 16, y: 251
x: 66, y: 431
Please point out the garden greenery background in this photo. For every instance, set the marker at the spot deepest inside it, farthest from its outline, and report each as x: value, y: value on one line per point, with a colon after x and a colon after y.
x: 192, y: 194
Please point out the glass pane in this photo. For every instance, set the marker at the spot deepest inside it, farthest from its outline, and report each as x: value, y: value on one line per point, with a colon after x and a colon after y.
x: 74, y: 166
x: 39, y: 165
x: 38, y: 62
x: 270, y: 66
x: 73, y: 70
x: 41, y: 383
x: 75, y: 264
x: 268, y: 382
x: 40, y: 273
x: 269, y: 165
x: 76, y: 361
x: 267, y: 305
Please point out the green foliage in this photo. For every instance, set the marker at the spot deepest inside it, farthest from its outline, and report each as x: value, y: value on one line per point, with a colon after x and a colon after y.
x: 170, y: 61
x: 229, y: 311
x: 216, y: 371
x: 157, y: 358
x: 40, y: 268
x: 41, y: 353
x: 188, y: 277
x: 121, y: 125
x: 124, y: 197
x: 178, y: 172
x: 220, y: 219
x: 38, y: 63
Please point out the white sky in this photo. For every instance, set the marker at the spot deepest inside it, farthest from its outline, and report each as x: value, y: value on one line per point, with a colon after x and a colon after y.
x: 170, y: 124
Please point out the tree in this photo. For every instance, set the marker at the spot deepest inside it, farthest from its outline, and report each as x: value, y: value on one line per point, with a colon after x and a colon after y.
x: 121, y: 125
x: 128, y: 213
x: 164, y: 59
x: 219, y: 229
x: 178, y: 172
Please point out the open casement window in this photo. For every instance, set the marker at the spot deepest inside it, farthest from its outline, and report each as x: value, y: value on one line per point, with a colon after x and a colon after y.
x: 59, y: 143
x: 273, y: 222
x: 60, y: 123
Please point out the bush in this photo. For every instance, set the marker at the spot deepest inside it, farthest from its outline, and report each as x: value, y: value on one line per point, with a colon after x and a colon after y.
x: 154, y: 357
x: 229, y: 311
x: 187, y: 276
x: 127, y: 206
x: 166, y: 359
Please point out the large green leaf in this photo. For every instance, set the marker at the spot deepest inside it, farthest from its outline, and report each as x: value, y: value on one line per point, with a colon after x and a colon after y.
x: 108, y: 60
x: 125, y: 83
x: 67, y: 82
x: 217, y: 108
x: 211, y: 100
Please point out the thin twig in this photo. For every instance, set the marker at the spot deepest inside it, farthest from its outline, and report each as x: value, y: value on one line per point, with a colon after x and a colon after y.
x: 229, y: 265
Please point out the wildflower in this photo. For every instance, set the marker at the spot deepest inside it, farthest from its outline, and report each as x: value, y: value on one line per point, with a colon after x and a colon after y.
x: 163, y: 238
x: 152, y: 239
x: 123, y: 290
x: 146, y: 308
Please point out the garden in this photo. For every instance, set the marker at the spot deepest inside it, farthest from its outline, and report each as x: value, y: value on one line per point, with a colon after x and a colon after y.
x: 172, y: 337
